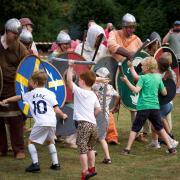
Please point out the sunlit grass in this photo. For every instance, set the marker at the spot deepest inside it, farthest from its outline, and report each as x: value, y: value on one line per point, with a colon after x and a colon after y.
x: 142, y: 164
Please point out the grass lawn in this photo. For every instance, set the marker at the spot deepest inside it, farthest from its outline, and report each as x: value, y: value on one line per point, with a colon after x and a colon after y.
x: 143, y: 163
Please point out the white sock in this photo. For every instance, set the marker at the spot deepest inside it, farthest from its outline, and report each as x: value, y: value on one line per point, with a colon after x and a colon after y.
x: 155, y: 141
x: 53, y: 153
x: 33, y: 153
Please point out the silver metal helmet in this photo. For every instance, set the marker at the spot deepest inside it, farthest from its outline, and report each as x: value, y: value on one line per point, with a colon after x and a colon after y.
x: 103, y: 72
x: 26, y: 37
x: 63, y: 38
x: 154, y: 36
x: 13, y: 25
x: 128, y: 20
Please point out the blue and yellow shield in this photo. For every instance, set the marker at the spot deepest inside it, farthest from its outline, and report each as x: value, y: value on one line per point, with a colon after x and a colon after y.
x: 55, y: 82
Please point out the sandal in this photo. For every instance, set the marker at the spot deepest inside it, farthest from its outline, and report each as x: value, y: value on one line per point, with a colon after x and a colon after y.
x: 107, y: 161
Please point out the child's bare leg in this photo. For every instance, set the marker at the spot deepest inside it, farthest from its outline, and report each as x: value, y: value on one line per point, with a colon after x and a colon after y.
x: 165, y: 137
x: 84, y: 162
x: 105, y: 148
x: 131, y: 139
x: 166, y: 126
x: 91, y: 158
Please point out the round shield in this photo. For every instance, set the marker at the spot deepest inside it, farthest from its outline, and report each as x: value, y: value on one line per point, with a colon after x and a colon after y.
x: 128, y: 98
x: 174, y: 64
x: 1, y: 80
x: 63, y: 66
x: 66, y: 127
x: 171, y: 92
x: 111, y: 64
x: 26, y: 68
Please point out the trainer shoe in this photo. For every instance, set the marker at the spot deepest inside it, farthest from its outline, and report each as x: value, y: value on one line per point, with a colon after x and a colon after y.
x: 87, y: 175
x: 34, y: 167
x: 172, y: 151
x: 125, y: 152
x: 154, y: 145
x: 92, y: 171
x: 55, y: 166
x: 174, y: 143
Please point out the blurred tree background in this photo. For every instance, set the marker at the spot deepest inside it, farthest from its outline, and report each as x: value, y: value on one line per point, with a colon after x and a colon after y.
x: 50, y: 16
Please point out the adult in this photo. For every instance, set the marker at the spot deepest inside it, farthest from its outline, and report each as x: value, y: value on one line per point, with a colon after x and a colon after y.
x: 64, y: 44
x: 27, y: 39
x: 172, y: 38
x: 91, y: 44
x: 11, y: 54
x: 27, y: 24
x: 124, y: 43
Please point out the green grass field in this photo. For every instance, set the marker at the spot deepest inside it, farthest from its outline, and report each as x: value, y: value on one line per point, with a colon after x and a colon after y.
x: 143, y: 163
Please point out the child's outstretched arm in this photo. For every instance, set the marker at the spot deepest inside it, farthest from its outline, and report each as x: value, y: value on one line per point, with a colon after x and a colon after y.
x: 58, y: 111
x: 70, y: 75
x: 9, y: 100
x: 133, y: 88
x: 133, y: 72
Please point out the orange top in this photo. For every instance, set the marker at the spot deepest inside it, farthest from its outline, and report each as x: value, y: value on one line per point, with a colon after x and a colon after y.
x: 117, y: 39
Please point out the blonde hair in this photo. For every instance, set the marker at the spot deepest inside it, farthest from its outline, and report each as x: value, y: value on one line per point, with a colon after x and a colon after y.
x: 150, y: 63
x: 40, y: 77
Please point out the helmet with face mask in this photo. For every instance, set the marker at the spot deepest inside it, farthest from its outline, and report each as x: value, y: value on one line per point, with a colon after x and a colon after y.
x: 128, y: 20
x: 63, y: 38
x: 13, y: 25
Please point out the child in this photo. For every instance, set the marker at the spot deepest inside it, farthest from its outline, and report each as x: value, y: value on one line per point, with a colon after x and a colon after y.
x: 166, y: 73
x: 43, y: 106
x: 86, y: 106
x: 104, y: 92
x: 148, y: 87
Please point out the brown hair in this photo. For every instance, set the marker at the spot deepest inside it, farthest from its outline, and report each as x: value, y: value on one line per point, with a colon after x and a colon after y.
x: 164, y: 61
x: 89, y: 77
x: 39, y: 77
x: 150, y: 63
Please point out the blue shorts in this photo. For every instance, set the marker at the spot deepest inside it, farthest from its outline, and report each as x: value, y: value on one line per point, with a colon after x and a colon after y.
x: 165, y: 109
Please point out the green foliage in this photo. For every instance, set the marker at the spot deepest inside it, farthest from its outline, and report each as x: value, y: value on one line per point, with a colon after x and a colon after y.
x: 49, y: 17
x: 100, y: 11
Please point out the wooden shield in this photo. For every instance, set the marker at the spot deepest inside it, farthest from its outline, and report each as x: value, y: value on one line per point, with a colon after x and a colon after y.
x: 26, y: 68
x: 128, y: 98
x: 171, y: 92
x: 63, y: 66
x: 1, y: 80
x: 174, y: 65
x: 111, y: 64
x: 66, y: 127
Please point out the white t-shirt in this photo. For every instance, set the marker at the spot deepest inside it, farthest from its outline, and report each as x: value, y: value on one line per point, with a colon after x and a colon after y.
x: 85, y: 102
x: 41, y: 102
